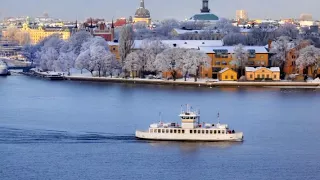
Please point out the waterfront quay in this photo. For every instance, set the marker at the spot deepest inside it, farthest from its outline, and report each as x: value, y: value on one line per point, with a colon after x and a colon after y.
x: 200, y: 83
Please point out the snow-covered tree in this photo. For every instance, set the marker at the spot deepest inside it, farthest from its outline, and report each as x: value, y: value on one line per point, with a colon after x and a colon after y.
x: 202, y: 61
x: 165, y: 28
x: 150, y: 48
x: 170, y: 60
x: 309, y: 57
x: 126, y: 41
x: 234, y: 39
x: 279, y: 50
x: 224, y: 26
x: 76, y: 40
x: 83, y: 61
x: 133, y: 63
x: 101, y: 59
x: 240, y: 58
x: 289, y: 30
x: 65, y: 62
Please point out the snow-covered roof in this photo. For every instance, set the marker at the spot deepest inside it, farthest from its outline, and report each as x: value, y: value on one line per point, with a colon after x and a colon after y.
x: 230, y: 49
x: 111, y: 43
x: 275, y: 69
x: 184, y: 31
x: 189, y: 44
x: 252, y: 69
x: 224, y: 70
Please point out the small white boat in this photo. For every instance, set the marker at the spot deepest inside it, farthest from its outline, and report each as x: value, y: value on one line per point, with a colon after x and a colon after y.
x: 3, y: 69
x: 191, y: 129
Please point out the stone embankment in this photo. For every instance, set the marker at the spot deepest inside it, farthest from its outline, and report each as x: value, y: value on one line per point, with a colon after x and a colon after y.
x: 201, y: 82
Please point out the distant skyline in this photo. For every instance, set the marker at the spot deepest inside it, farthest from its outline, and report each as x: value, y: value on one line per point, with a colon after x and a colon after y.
x: 160, y: 9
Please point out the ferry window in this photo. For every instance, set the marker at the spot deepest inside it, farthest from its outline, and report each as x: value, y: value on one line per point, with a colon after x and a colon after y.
x: 179, y: 131
x: 151, y: 130
x: 199, y: 131
x: 191, y: 131
x: 202, y: 131
x: 215, y: 132
x: 182, y: 131
x: 210, y: 131
x: 187, y: 117
x: 222, y: 132
x: 167, y: 131
x: 162, y: 130
x: 175, y: 131
x: 207, y: 131
x: 159, y: 130
x: 170, y: 130
x: 195, y: 131
x: 219, y: 132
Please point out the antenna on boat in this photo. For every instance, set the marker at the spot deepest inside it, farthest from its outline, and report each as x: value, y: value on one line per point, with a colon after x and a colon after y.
x: 218, y: 116
x: 160, y: 118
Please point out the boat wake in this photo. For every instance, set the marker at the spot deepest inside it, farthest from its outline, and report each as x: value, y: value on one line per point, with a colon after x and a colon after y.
x: 15, y: 136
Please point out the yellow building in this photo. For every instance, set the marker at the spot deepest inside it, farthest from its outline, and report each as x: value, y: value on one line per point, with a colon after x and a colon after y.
x: 223, y: 56
x: 228, y: 75
x: 36, y: 35
x: 263, y: 73
x: 142, y: 14
x: 114, y: 48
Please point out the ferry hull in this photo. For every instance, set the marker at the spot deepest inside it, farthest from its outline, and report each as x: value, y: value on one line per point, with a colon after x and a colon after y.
x: 236, y: 137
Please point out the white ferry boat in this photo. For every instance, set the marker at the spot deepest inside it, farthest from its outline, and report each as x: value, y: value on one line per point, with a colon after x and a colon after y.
x: 191, y: 129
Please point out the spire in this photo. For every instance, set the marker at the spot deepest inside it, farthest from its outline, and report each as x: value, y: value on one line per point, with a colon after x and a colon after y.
x: 142, y: 4
x: 76, y: 25
x: 205, y: 6
x: 112, y: 25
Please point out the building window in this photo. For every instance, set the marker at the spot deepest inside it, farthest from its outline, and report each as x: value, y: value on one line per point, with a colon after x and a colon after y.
x: 261, y: 57
x: 268, y: 76
x: 226, y: 77
x: 217, y: 63
x: 251, y: 76
x: 114, y: 49
x: 263, y: 71
x: 262, y: 76
x: 224, y: 63
x: 275, y: 76
x: 258, y: 76
x: 231, y: 77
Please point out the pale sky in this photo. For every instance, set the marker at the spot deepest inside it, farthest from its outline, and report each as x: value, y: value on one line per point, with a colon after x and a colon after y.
x: 160, y: 9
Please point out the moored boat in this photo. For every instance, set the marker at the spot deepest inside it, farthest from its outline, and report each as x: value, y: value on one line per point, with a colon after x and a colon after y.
x: 4, y: 69
x: 191, y: 129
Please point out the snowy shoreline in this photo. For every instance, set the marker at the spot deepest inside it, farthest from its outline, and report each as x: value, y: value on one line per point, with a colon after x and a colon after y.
x: 200, y: 83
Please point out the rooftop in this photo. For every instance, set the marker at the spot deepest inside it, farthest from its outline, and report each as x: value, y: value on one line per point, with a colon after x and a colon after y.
x: 230, y: 49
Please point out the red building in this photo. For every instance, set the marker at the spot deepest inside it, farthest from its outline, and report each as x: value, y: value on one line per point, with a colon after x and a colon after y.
x: 98, y: 27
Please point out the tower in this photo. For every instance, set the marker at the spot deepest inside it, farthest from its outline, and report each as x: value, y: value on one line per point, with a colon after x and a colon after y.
x: 205, y: 6
x: 112, y: 31
x: 142, y: 4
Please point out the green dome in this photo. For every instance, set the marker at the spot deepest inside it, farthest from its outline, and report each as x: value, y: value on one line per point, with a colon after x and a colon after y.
x: 205, y: 17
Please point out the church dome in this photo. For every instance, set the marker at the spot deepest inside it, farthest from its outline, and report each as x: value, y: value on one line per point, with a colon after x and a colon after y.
x: 142, y: 12
x: 205, y: 17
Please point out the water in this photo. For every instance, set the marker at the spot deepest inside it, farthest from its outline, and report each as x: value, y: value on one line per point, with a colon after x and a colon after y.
x: 74, y: 130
